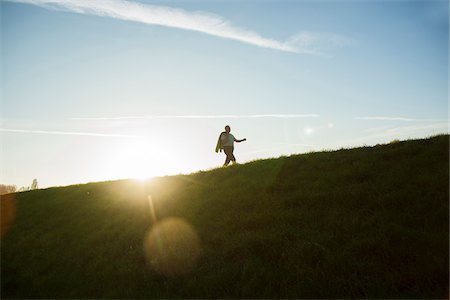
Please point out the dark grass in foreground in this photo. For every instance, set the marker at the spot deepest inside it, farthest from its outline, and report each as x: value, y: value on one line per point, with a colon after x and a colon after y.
x: 365, y: 223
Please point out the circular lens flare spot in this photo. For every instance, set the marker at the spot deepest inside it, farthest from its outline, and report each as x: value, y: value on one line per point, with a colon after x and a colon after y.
x: 308, y: 131
x: 172, y: 247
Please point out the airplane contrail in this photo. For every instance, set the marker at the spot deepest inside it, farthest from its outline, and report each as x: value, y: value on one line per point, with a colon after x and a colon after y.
x: 282, y: 116
x: 68, y: 133
x: 199, y: 21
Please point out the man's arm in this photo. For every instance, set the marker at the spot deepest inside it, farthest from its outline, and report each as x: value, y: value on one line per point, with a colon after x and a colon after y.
x: 238, y: 141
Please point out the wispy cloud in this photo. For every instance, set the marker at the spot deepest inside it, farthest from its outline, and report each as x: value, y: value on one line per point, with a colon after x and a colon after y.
x: 396, y: 119
x: 282, y: 116
x: 439, y: 127
x: 68, y: 133
x: 316, y: 43
x: 205, y: 22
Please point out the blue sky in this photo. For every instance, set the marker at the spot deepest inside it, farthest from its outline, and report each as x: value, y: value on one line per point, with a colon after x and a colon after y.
x: 99, y: 90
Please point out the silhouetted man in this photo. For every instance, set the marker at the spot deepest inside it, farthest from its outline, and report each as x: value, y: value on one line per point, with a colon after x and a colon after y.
x: 226, y: 142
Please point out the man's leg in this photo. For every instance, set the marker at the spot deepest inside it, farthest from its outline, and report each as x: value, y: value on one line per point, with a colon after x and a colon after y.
x: 228, y: 153
x: 233, y: 159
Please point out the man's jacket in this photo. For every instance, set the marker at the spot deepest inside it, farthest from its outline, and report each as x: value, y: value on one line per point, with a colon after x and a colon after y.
x: 219, y: 146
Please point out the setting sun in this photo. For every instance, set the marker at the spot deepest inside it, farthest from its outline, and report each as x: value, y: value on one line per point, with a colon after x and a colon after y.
x: 139, y: 159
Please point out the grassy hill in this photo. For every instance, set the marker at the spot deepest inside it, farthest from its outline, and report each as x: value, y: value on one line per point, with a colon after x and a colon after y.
x: 370, y: 222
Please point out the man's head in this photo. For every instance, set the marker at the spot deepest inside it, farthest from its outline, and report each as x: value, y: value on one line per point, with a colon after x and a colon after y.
x: 227, y: 129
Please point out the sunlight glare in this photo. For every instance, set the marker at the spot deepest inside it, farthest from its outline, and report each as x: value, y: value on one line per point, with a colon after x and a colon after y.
x: 140, y: 159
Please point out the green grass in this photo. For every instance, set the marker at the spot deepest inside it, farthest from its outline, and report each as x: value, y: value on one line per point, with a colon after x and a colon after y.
x: 370, y: 222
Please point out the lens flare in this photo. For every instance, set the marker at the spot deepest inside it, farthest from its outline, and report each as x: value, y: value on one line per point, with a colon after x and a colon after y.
x: 172, y: 247
x: 308, y: 131
x: 8, y: 213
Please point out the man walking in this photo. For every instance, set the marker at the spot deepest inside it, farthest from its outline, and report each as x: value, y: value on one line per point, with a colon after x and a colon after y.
x: 226, y: 142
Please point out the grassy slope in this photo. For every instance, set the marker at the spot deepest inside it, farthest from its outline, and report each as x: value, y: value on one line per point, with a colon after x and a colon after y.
x: 366, y: 222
